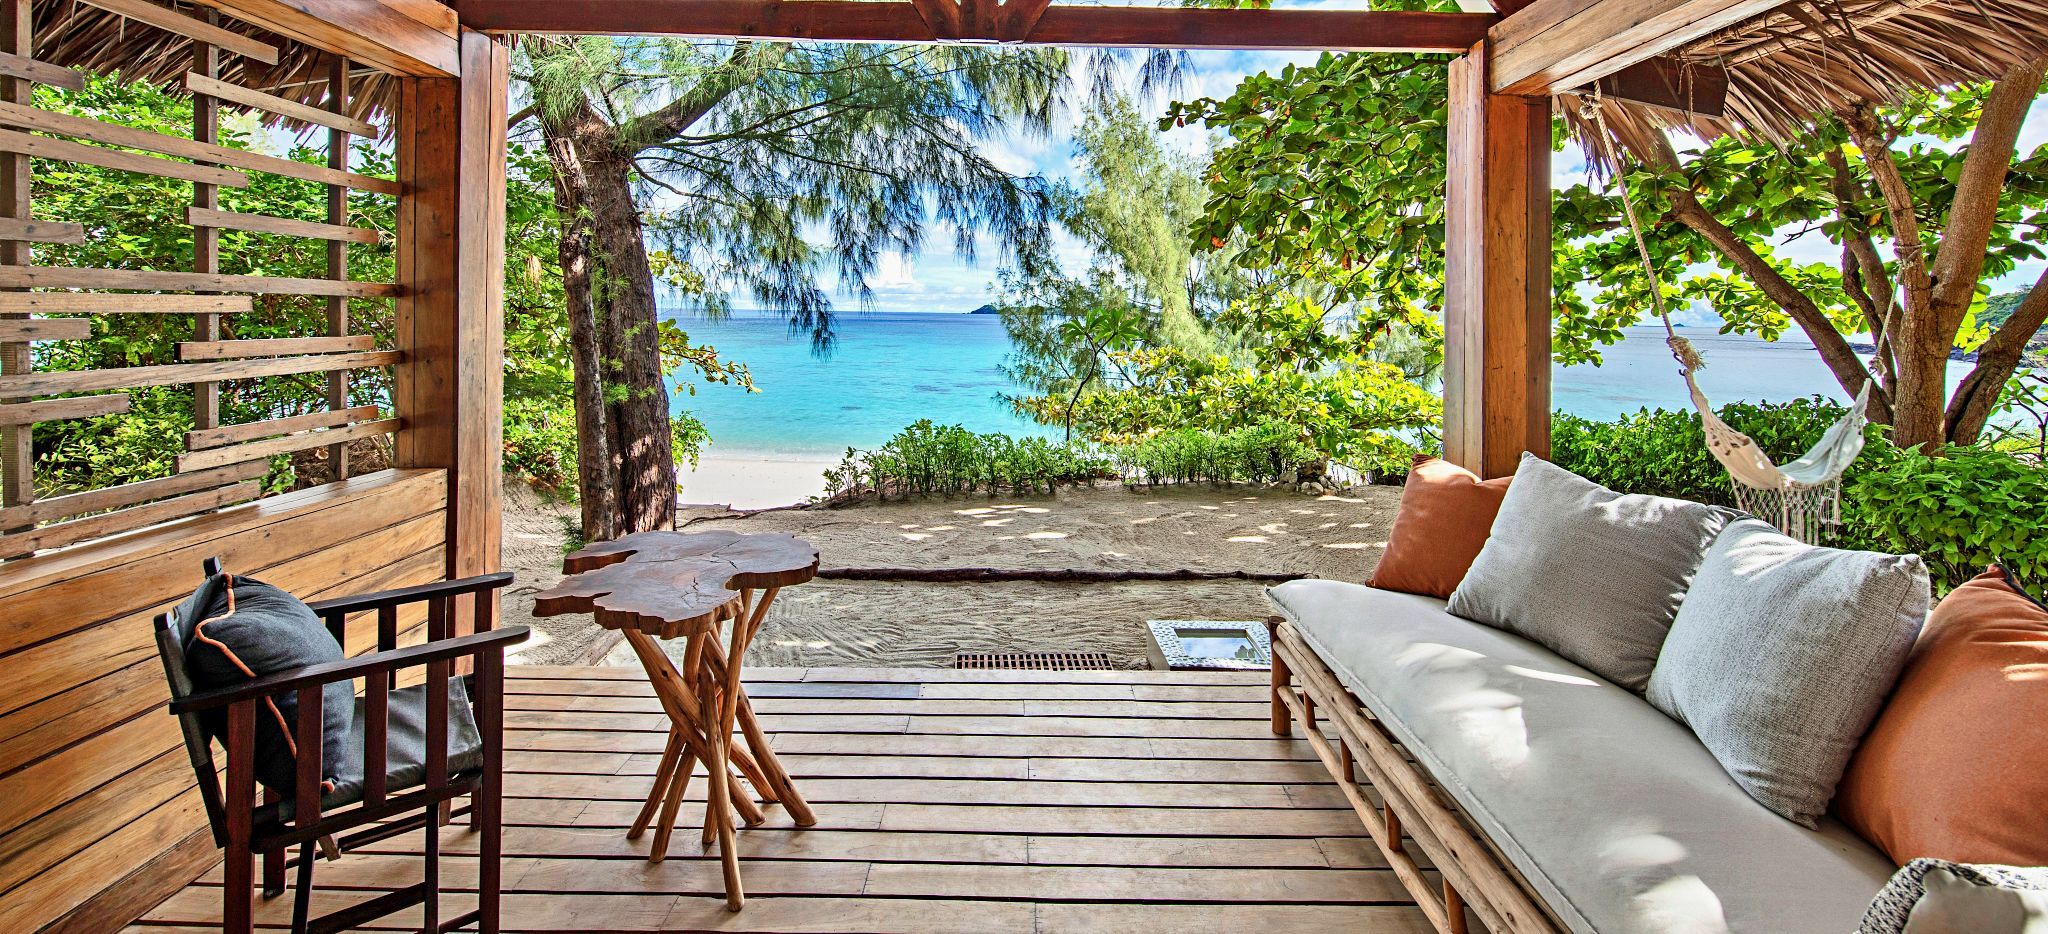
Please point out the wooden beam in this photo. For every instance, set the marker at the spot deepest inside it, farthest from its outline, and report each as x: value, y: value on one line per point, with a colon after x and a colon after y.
x: 271, y: 103
x: 172, y: 21
x: 50, y: 410
x: 64, y: 150
x: 100, y: 526
x: 1558, y: 45
x: 264, y: 450
x: 45, y: 329
x: 273, y: 347
x: 858, y: 21
x: 56, y: 76
x: 41, y: 231
x: 71, y: 277
x: 450, y: 317
x: 22, y: 115
x: 127, y: 494
x: 1497, y: 274
x: 405, y: 37
x: 168, y: 374
x: 113, y: 303
x: 1697, y: 89
x: 225, y: 435
x: 286, y: 226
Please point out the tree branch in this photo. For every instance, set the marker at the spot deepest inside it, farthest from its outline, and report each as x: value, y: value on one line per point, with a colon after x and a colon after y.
x: 1974, y: 213
x: 1970, y: 408
x: 1833, y: 347
x: 663, y: 123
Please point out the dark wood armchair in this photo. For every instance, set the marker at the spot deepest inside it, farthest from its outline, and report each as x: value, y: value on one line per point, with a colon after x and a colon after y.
x: 408, y: 780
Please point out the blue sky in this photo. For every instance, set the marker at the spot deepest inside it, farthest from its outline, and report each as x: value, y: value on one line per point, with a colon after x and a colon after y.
x: 934, y: 279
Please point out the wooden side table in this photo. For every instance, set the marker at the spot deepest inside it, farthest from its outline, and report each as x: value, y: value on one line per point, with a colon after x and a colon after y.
x: 668, y: 585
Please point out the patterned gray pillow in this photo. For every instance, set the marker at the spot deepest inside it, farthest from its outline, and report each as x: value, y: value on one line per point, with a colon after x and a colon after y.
x: 1935, y: 896
x: 1592, y: 574
x: 1782, y: 654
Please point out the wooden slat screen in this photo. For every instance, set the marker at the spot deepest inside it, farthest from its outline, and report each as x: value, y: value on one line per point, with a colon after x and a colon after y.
x: 223, y: 462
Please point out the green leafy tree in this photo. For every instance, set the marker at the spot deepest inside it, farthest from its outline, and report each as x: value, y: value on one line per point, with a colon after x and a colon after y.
x: 732, y: 159
x: 1341, y: 166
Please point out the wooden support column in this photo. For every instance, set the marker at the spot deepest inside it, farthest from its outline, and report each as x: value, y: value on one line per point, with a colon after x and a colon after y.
x: 450, y: 321
x: 17, y: 461
x: 1497, y: 274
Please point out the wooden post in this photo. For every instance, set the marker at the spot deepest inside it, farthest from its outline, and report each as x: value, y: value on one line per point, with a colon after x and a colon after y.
x: 17, y: 461
x: 206, y: 238
x: 450, y: 319
x: 1497, y: 274
x: 338, y: 142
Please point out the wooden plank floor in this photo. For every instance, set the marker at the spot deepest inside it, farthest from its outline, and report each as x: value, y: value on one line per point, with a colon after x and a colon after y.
x: 985, y: 801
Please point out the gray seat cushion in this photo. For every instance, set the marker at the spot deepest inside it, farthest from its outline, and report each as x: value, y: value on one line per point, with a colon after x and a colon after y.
x: 1782, y: 655
x: 1614, y: 812
x: 405, y: 742
x: 1595, y: 575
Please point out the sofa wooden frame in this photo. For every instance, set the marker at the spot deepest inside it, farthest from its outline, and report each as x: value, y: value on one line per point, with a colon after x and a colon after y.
x: 1412, y: 810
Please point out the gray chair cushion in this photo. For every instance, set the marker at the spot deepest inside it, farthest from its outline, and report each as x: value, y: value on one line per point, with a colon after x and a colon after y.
x: 1782, y: 655
x: 405, y: 743
x: 1934, y: 896
x: 1595, y: 575
x: 1617, y: 816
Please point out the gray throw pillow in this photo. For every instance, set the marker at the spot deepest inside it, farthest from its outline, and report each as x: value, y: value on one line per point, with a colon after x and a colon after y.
x: 1592, y: 574
x: 1781, y: 656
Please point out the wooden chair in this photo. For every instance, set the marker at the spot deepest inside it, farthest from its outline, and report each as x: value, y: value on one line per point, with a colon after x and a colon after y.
x: 407, y: 777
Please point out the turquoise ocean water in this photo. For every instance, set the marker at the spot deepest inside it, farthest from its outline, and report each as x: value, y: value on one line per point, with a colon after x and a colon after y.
x: 892, y: 368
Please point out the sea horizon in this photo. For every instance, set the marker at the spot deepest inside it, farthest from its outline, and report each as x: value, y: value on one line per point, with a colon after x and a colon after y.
x: 889, y: 368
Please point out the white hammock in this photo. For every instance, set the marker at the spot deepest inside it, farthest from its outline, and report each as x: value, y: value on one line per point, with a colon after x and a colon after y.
x: 1801, y: 498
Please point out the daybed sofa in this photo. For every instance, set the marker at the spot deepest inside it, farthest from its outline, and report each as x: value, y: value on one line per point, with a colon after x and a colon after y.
x: 1638, y: 714
x: 1609, y: 815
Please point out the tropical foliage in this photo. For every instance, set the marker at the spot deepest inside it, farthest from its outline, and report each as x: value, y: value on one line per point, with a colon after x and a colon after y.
x: 1336, y: 171
x: 1164, y: 335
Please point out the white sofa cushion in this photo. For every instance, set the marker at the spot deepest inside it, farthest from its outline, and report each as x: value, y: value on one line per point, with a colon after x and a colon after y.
x: 1615, y: 813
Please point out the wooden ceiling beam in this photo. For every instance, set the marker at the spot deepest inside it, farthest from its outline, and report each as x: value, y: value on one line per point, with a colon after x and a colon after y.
x: 406, y: 37
x: 863, y: 21
x: 1559, y: 45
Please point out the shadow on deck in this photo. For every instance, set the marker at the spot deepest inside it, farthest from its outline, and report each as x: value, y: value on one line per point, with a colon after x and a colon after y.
x: 985, y: 801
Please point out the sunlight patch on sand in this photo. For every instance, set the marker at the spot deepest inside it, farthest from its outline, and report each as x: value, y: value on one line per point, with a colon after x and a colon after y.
x: 1250, y: 539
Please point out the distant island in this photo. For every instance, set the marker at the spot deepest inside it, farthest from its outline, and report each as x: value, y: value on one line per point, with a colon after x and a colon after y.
x: 988, y: 309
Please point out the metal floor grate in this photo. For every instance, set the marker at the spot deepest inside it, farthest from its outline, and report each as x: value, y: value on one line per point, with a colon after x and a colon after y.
x: 1035, y: 661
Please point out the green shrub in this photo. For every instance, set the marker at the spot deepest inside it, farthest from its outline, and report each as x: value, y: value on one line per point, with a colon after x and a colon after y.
x: 1268, y: 452
x: 1960, y: 510
x: 927, y: 458
x: 1664, y: 453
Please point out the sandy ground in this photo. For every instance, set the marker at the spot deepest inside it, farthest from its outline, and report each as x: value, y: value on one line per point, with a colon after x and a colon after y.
x: 744, y: 483
x: 890, y: 624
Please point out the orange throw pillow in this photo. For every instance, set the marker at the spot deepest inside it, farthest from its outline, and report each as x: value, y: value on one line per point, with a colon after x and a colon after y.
x: 1955, y: 767
x: 1445, y: 514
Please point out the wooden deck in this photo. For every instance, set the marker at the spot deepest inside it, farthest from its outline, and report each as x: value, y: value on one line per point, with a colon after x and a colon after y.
x: 984, y: 801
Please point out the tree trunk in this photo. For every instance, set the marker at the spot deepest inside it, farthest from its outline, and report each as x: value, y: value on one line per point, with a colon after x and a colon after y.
x: 636, y: 398
x: 596, y: 487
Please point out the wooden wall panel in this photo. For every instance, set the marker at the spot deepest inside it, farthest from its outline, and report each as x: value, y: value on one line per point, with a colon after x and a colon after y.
x: 1496, y: 274
x: 93, y: 772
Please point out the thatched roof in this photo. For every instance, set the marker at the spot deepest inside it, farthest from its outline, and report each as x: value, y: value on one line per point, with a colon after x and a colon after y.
x: 78, y: 35
x: 1814, y: 56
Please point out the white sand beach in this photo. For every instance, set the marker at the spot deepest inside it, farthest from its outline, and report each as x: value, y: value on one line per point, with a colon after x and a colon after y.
x: 753, y: 483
